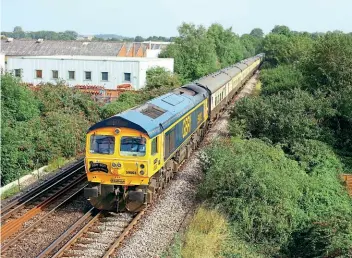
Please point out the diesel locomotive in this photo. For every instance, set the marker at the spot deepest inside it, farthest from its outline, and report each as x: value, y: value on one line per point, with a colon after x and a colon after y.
x: 131, y: 156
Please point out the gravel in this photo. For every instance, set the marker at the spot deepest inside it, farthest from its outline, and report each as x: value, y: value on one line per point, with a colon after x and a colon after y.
x: 101, y: 236
x: 157, y: 229
x: 49, y: 229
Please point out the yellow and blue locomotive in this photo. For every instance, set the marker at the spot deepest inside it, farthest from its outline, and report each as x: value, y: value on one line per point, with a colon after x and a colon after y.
x: 132, y: 155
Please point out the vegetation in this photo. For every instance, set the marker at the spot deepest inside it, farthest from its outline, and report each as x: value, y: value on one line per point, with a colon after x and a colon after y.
x: 277, y: 177
x: 39, y: 126
x: 272, y: 199
x: 18, y: 33
x: 209, y: 235
x: 272, y: 189
x: 198, y: 51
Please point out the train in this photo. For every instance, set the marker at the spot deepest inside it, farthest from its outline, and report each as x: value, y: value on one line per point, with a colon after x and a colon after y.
x: 131, y: 156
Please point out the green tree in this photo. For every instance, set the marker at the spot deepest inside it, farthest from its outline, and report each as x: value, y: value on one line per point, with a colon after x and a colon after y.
x: 138, y: 39
x: 193, y: 51
x: 158, y: 77
x: 283, y: 118
x: 227, y: 44
x: 282, y: 30
x: 257, y: 32
x: 281, y: 78
x: 286, y: 49
x: 329, y: 67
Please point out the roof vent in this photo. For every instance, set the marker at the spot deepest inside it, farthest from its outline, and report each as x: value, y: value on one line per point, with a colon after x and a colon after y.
x: 151, y: 110
x: 85, y: 43
x: 9, y: 39
x: 40, y: 40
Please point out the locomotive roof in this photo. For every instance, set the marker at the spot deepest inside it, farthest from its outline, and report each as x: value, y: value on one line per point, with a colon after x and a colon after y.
x: 159, y: 113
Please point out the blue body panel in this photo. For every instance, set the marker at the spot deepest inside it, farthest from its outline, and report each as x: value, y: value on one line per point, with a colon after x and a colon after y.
x: 174, y: 105
x: 184, y: 128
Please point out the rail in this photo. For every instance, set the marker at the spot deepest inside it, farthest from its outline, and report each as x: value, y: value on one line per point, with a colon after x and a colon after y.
x: 40, y: 220
x: 63, y: 183
x: 93, y: 234
x: 47, y: 184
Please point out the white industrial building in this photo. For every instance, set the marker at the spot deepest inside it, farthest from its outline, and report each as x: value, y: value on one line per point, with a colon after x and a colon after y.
x: 106, y: 71
x: 99, y: 63
x: 2, y: 63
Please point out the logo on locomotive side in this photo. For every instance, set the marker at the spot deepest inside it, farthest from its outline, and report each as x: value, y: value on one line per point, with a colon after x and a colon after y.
x: 199, y: 118
x: 186, y: 126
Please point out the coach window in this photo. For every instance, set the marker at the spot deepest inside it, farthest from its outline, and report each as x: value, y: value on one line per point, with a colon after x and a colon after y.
x: 154, y: 145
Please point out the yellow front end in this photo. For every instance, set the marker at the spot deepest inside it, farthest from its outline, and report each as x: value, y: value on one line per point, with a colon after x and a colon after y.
x: 121, y: 156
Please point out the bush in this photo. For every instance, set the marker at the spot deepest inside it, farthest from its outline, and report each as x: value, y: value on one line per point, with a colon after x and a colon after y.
x: 282, y: 118
x: 257, y: 187
x: 17, y: 102
x: 328, y: 228
x: 125, y: 101
x: 280, y: 205
x: 67, y: 100
x: 329, y: 66
x: 159, y: 77
x: 279, y: 79
x: 41, y: 125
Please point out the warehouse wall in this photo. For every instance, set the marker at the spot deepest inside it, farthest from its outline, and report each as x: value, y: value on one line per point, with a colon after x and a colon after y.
x: 116, y: 67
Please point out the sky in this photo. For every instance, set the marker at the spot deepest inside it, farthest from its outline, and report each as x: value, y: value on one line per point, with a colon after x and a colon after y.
x: 162, y: 17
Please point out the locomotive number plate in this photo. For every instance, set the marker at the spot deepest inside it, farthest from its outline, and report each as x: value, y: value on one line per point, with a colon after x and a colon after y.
x: 117, y: 181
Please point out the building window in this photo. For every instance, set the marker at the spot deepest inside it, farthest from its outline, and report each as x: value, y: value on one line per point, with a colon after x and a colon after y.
x: 127, y: 77
x: 55, y: 74
x: 38, y: 73
x: 71, y: 75
x: 18, y: 72
x: 104, y: 76
x: 88, y: 76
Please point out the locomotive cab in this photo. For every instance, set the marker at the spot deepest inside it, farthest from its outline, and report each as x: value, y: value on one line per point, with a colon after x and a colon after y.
x: 119, y: 159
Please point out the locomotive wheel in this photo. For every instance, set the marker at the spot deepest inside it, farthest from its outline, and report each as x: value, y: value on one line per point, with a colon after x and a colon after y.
x: 108, y: 202
x: 135, y: 206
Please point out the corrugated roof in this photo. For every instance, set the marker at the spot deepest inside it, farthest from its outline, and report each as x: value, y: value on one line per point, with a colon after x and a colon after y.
x: 20, y: 47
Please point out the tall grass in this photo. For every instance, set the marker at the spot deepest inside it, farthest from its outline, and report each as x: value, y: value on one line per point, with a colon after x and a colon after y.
x: 206, y: 234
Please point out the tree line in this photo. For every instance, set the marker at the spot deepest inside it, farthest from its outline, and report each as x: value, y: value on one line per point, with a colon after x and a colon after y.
x: 18, y: 33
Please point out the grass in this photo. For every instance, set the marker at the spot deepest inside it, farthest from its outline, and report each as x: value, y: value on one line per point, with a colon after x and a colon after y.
x: 57, y: 163
x: 257, y: 89
x: 9, y: 192
x: 52, y: 166
x: 207, y: 236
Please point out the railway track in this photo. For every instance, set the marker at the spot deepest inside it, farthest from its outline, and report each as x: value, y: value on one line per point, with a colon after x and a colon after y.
x: 29, y: 205
x: 101, y: 235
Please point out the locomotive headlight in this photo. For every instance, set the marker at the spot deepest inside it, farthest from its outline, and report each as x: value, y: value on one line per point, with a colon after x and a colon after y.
x: 116, y: 165
x: 141, y: 172
x: 142, y: 166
